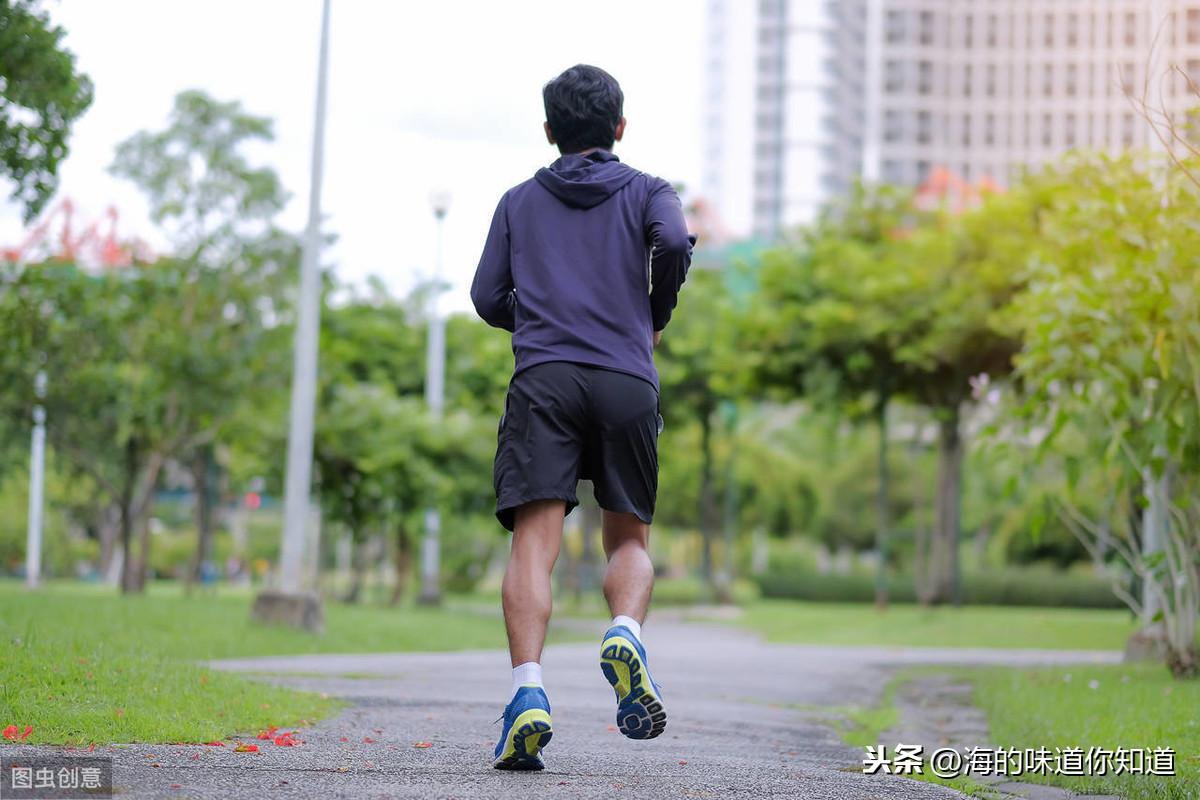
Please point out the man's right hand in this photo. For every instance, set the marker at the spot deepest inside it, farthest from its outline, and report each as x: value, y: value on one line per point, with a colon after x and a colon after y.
x: 657, y: 338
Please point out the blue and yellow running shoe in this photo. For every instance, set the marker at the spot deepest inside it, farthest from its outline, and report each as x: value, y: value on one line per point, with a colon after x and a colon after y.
x: 640, y: 710
x: 527, y: 729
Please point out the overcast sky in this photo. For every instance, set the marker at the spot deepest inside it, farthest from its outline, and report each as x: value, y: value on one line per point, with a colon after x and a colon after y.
x: 423, y: 96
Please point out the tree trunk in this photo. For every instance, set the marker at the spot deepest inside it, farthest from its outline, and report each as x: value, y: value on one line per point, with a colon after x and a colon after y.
x: 708, y: 500
x: 403, y: 563
x: 589, y: 526
x: 203, y: 515
x: 359, y: 567
x: 944, y: 577
x: 883, y: 507
x: 108, y: 530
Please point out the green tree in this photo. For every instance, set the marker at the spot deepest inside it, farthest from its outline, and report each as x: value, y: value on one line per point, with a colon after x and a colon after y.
x: 229, y: 270
x: 1110, y: 373
x: 41, y: 96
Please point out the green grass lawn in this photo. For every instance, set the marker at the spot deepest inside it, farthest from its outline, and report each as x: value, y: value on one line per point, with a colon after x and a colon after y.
x: 1136, y: 705
x: 82, y: 664
x: 969, y: 626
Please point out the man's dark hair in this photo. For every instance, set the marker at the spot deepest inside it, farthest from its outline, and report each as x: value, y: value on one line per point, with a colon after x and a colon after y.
x: 583, y: 107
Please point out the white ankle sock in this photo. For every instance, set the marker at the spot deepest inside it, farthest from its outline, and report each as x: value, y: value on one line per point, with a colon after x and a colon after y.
x: 629, y: 622
x: 527, y: 674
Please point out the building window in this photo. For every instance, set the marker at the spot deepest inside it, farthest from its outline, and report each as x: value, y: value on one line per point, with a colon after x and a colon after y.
x: 925, y: 77
x: 969, y: 30
x: 893, y: 77
x: 966, y: 130
x: 1072, y: 30
x: 968, y: 79
x: 1048, y: 30
x: 1069, y: 130
x: 922, y: 170
x: 1048, y: 80
x: 924, y: 127
x: 925, y: 21
x: 993, y: 30
x: 1193, y: 70
x: 990, y: 85
x: 1025, y: 136
x: 1131, y: 26
x: 989, y: 129
x: 893, y: 172
x: 1127, y: 129
x: 1193, y: 26
x: 895, y: 27
x: 1047, y: 130
x: 1072, y: 87
x: 893, y: 126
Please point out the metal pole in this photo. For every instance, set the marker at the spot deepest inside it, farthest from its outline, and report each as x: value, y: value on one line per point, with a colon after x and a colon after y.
x: 304, y: 373
x: 873, y: 77
x: 435, y: 398
x: 37, y: 476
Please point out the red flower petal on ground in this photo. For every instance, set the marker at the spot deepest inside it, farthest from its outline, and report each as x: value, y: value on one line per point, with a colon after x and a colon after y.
x: 286, y: 739
x: 343, y: 739
x: 422, y: 745
x: 368, y: 740
x: 176, y: 785
x: 28, y: 730
x: 215, y: 744
x: 245, y: 748
x: 682, y: 763
x: 269, y: 733
x: 195, y: 756
x: 92, y: 748
x: 11, y: 732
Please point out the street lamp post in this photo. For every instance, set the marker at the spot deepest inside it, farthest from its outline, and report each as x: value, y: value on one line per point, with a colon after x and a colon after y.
x: 37, y: 476
x: 435, y: 399
x: 290, y: 603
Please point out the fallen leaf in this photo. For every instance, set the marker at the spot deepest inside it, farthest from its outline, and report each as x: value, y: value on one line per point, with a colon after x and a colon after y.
x: 156, y: 764
x: 422, y: 745
x: 245, y: 748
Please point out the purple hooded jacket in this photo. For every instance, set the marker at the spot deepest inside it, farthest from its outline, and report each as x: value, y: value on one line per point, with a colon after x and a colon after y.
x: 583, y: 263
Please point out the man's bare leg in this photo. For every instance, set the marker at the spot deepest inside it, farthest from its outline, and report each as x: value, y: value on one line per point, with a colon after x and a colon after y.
x: 628, y: 583
x: 629, y: 578
x: 526, y: 590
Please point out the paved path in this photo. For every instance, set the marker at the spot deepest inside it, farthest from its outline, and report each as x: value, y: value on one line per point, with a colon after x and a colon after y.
x: 740, y: 725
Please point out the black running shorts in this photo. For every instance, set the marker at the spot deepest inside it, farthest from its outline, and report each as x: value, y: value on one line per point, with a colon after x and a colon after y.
x: 566, y: 422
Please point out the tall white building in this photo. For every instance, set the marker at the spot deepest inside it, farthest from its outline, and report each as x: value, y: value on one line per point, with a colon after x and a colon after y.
x: 806, y: 96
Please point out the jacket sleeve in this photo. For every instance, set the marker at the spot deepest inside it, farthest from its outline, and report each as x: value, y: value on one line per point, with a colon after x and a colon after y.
x: 670, y: 251
x: 492, y: 291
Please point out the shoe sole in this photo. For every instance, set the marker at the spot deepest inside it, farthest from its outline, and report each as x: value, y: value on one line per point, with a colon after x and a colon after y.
x: 641, y: 713
x: 530, y: 732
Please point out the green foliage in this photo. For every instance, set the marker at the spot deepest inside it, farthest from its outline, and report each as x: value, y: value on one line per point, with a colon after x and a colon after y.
x: 1009, y: 586
x: 41, y: 96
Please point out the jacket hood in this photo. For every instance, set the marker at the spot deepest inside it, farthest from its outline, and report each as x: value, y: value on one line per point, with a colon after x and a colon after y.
x: 585, y: 181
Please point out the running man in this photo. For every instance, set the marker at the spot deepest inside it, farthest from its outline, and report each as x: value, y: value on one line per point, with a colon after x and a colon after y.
x: 583, y: 264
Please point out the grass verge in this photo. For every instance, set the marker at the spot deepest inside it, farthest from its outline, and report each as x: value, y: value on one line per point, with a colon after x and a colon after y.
x: 83, y: 665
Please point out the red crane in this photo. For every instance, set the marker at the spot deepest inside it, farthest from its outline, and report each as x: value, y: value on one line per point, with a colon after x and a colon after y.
x: 91, y: 246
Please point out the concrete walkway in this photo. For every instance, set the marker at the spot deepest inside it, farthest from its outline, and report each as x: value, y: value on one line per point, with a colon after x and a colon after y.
x: 740, y: 725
